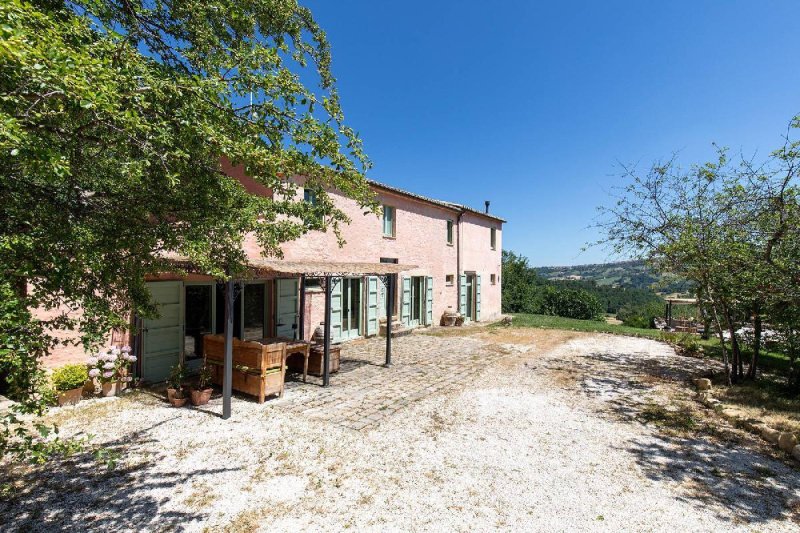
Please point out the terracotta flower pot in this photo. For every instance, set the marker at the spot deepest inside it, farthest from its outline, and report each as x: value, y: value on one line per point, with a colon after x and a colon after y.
x: 201, y: 396
x: 176, y: 397
x: 70, y: 397
x: 112, y: 388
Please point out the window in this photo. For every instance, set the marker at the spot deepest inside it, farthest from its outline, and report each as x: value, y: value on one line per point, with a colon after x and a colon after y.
x: 448, y: 280
x: 449, y: 232
x: 493, y: 279
x: 493, y: 238
x: 310, y: 196
x: 388, y: 221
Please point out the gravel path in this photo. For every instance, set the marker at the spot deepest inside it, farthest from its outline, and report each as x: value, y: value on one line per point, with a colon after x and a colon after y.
x: 543, y: 439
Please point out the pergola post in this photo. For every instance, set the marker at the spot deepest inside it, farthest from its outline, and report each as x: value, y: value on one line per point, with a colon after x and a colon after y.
x: 301, y: 320
x: 390, y: 287
x: 227, y: 369
x: 326, y: 357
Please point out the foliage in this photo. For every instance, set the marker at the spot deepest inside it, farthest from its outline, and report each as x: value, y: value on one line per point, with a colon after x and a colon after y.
x: 526, y: 292
x: 732, y: 230
x: 521, y: 285
x: 114, y: 116
x: 175, y: 380
x: 204, y: 378
x: 69, y: 377
x: 111, y: 365
x: 635, y: 274
x: 571, y: 303
x: 641, y: 315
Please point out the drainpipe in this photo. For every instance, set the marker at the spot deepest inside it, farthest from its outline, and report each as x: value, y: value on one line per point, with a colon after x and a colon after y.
x: 458, y: 262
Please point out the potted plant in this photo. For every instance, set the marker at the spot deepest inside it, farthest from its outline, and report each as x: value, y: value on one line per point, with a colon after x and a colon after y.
x: 202, y: 393
x: 175, y: 393
x: 68, y: 382
x: 110, y: 369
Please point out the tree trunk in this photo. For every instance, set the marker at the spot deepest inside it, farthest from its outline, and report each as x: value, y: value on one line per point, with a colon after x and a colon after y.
x: 757, y: 327
x: 736, y: 360
x: 722, y: 344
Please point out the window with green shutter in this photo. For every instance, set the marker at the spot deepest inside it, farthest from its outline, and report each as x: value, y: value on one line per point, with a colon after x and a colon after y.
x: 388, y: 221
x: 449, y: 232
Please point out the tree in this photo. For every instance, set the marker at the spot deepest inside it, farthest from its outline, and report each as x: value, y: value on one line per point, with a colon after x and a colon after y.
x: 730, y: 229
x: 520, y: 282
x: 114, y: 117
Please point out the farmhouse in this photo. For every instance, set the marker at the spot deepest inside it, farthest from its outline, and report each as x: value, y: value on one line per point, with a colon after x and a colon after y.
x: 437, y: 257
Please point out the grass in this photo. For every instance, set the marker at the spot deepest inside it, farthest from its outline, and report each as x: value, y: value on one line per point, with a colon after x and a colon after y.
x: 572, y: 324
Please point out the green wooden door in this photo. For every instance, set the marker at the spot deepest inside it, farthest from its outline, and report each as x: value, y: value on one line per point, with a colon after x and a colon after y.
x: 373, y: 302
x: 478, y: 297
x: 462, y: 288
x: 336, y: 309
x: 286, y: 308
x: 163, y: 336
x: 429, y: 301
x: 405, y: 301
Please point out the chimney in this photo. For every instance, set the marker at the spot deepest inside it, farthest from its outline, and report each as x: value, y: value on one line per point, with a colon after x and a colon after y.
x: 487, y: 206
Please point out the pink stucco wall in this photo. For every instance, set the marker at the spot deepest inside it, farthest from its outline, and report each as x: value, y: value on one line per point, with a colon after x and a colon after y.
x: 420, y: 239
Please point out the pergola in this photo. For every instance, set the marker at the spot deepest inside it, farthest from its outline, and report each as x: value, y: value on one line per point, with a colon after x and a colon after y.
x: 328, y: 273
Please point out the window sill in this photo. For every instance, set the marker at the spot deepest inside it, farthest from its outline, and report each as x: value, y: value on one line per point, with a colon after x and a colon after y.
x: 391, y: 237
x: 450, y: 244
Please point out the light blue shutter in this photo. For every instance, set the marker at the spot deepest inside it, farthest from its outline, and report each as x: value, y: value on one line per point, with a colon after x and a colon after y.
x: 478, y: 297
x: 372, y: 305
x: 336, y: 309
x: 429, y: 301
x: 462, y: 288
x: 405, y: 306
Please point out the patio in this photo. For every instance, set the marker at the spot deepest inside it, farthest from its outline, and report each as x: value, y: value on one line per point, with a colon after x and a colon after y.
x: 473, y: 429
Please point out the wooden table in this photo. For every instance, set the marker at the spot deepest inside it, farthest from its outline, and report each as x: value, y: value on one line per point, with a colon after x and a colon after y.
x: 293, y: 346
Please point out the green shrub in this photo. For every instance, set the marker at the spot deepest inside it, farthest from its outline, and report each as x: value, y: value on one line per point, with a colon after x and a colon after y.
x: 69, y: 377
x: 571, y: 303
x: 641, y: 315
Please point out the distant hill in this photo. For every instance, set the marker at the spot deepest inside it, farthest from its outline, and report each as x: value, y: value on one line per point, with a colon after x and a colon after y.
x: 627, y: 274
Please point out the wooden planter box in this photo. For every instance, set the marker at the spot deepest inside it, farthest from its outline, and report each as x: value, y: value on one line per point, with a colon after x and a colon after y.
x: 316, y: 357
x: 258, y: 369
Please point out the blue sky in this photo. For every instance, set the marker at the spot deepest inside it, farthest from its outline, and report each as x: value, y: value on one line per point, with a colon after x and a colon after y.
x: 532, y: 104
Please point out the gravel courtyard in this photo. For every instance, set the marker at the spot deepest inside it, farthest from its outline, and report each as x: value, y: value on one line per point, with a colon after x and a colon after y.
x: 484, y: 429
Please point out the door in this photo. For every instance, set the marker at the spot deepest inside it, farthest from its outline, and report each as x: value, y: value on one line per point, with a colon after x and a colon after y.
x: 286, y: 308
x: 470, y: 303
x: 478, y: 297
x: 429, y: 301
x: 405, y: 301
x: 462, y: 295
x: 417, y: 301
x: 373, y: 304
x: 162, y: 339
x: 198, y: 316
x: 351, y: 308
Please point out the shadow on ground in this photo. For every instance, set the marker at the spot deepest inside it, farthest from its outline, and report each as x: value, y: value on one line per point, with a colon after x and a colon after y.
x: 710, y: 464
x: 80, y: 493
x: 754, y: 486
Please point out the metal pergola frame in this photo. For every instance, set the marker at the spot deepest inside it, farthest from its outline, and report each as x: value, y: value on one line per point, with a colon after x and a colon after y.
x: 328, y: 280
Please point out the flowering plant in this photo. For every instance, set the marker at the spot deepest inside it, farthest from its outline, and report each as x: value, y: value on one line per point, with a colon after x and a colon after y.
x: 111, y: 364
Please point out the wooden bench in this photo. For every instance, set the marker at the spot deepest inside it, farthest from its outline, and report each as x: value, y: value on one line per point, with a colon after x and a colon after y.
x: 258, y: 369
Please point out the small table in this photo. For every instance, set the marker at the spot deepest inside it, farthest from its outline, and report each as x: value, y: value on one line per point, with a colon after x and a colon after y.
x: 293, y: 346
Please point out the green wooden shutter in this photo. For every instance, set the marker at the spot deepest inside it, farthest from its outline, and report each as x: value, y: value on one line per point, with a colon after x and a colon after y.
x: 372, y: 305
x: 462, y: 288
x: 429, y: 301
x: 405, y: 305
x: 163, y: 336
x: 336, y: 309
x: 478, y: 297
